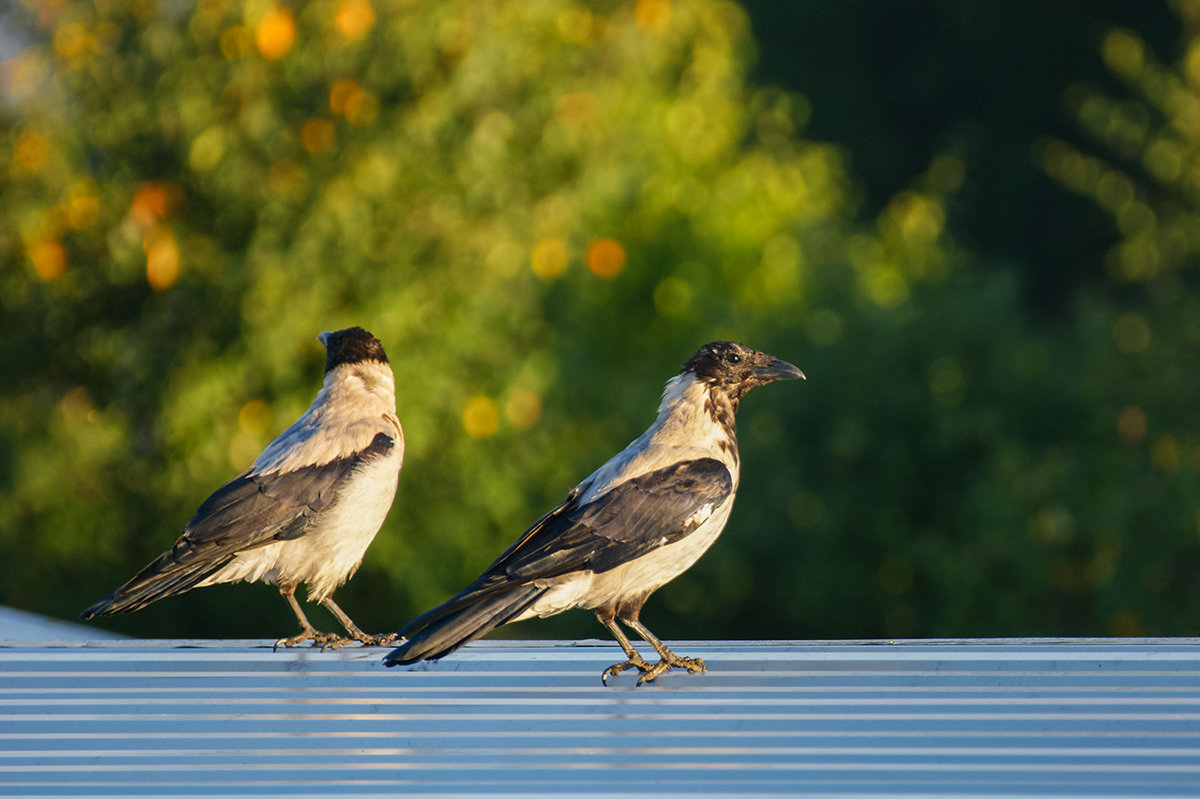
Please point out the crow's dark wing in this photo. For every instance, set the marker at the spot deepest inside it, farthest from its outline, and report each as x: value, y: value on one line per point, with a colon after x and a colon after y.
x: 641, y: 514
x: 250, y: 511
x: 635, y: 517
x: 255, y: 509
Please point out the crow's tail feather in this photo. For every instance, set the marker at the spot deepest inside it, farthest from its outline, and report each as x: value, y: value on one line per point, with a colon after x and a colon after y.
x: 450, y: 630
x: 155, y: 582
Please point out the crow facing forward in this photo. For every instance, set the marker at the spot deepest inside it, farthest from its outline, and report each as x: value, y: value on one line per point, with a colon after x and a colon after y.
x: 637, y: 522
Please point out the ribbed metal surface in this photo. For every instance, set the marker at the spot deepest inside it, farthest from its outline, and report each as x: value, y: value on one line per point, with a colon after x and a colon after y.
x: 1072, y: 718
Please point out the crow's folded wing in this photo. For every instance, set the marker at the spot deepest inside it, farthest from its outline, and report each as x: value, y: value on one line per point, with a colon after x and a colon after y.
x: 250, y: 511
x: 633, y: 518
x: 253, y: 510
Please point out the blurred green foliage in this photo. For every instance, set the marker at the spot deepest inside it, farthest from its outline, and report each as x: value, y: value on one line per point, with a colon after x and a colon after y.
x: 542, y: 208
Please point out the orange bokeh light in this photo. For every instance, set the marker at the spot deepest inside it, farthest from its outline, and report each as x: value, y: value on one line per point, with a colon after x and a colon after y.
x: 154, y: 201
x: 49, y: 258
x: 344, y: 95
x: 653, y: 15
x: 606, y: 257
x: 347, y: 98
x: 162, y: 258
x: 318, y: 135
x: 275, y: 33
x: 354, y: 19
x: 31, y: 150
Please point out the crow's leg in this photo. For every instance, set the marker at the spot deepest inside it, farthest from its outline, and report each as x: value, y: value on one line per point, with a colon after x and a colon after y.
x: 669, y: 659
x: 307, y: 633
x: 607, y: 617
x: 366, y: 639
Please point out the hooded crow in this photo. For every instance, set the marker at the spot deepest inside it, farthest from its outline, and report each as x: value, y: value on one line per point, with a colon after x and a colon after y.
x: 306, y: 510
x: 637, y: 522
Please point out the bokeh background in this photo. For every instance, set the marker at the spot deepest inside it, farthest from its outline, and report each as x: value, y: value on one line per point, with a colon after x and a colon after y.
x: 975, y: 226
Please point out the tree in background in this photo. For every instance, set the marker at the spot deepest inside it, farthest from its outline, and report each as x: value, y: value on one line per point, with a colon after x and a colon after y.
x: 542, y: 208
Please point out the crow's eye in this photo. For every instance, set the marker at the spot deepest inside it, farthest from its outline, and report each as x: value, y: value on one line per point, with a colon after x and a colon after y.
x: 733, y: 357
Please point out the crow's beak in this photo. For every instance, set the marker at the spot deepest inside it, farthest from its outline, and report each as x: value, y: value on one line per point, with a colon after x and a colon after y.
x: 324, y: 338
x: 778, y: 370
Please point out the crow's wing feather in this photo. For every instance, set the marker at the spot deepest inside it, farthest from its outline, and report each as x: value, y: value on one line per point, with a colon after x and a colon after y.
x: 253, y: 510
x: 635, y: 517
x: 250, y: 511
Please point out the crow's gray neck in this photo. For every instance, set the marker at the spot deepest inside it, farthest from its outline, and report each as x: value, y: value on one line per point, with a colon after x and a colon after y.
x: 699, y: 413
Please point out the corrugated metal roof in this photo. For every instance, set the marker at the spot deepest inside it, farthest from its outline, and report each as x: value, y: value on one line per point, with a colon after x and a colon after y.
x: 994, y: 718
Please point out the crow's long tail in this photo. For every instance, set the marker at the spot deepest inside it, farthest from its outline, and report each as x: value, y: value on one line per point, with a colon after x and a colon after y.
x: 162, y: 578
x: 460, y: 620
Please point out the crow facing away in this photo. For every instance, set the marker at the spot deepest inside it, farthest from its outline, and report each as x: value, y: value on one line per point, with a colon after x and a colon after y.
x: 306, y: 510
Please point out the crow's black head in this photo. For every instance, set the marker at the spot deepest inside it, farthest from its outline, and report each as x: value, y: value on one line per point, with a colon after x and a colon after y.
x: 736, y: 368
x: 352, y: 345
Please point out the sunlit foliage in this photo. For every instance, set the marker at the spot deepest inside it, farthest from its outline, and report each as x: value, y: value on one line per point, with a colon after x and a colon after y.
x: 1146, y: 173
x: 542, y: 208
